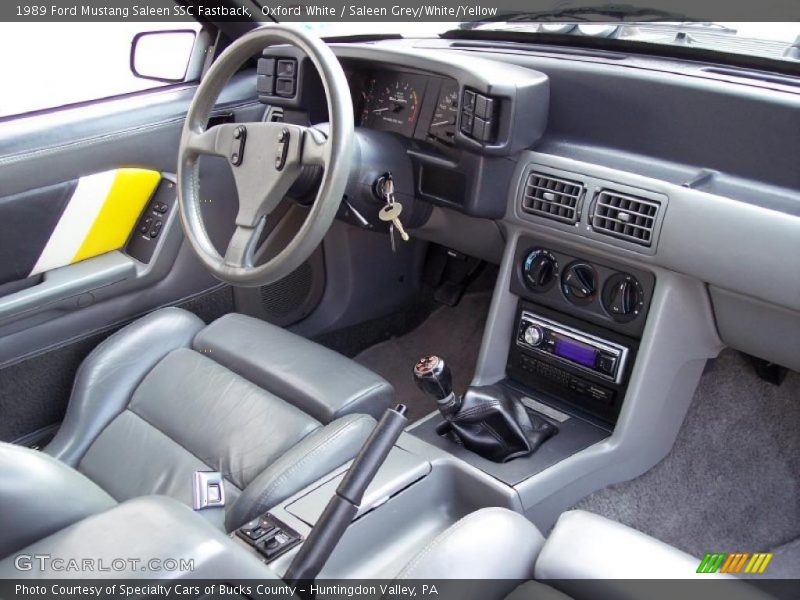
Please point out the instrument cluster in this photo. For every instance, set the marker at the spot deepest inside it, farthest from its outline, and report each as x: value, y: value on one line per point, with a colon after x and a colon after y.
x: 410, y: 104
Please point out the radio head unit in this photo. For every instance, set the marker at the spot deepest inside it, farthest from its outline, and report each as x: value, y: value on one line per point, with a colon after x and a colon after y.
x: 575, y: 362
x: 564, y: 344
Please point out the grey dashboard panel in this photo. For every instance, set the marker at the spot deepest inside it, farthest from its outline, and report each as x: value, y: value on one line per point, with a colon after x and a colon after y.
x: 758, y: 328
x: 675, y: 112
x: 728, y: 243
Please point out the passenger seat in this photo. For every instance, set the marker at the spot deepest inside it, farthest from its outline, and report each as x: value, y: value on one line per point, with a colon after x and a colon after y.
x: 586, y: 557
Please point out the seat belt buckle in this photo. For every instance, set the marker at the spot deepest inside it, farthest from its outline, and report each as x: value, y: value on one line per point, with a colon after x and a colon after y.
x: 208, y: 490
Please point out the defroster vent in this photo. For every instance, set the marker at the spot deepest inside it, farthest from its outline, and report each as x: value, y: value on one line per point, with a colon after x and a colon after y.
x: 552, y: 197
x: 625, y: 217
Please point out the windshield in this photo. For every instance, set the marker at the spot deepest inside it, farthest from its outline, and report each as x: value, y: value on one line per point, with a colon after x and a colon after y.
x: 780, y: 41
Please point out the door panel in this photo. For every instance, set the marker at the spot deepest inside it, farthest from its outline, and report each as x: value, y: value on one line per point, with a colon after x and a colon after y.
x: 98, y: 217
x: 26, y: 222
x: 76, y: 186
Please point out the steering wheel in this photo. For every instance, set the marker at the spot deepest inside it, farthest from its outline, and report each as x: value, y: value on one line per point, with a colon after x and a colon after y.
x: 266, y: 158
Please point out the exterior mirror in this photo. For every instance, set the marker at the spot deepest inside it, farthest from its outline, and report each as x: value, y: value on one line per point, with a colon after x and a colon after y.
x: 162, y: 55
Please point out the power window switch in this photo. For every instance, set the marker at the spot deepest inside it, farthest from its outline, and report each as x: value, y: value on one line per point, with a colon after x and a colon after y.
x: 276, y: 543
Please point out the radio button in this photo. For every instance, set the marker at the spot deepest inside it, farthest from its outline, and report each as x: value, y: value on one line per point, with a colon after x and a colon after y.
x: 606, y: 364
x: 533, y: 335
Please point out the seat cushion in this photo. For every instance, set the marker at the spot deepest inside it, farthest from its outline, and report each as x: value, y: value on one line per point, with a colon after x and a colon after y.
x: 164, y: 398
x: 193, y: 414
x: 584, y: 545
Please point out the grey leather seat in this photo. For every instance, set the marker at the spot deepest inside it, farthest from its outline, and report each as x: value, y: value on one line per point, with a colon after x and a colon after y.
x: 586, y: 556
x: 168, y: 395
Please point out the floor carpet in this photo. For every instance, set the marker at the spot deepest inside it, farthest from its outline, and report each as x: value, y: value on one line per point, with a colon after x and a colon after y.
x: 732, y: 480
x: 454, y: 333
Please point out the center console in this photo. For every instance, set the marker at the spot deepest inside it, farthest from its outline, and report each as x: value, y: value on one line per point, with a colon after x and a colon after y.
x: 574, y: 333
x: 573, y: 341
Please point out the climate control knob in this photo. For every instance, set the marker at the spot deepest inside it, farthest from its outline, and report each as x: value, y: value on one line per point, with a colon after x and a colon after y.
x: 533, y: 335
x: 579, y: 283
x: 623, y: 297
x: 539, y: 270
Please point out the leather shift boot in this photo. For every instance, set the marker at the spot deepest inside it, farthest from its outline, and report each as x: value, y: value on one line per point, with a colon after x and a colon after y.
x: 493, y: 425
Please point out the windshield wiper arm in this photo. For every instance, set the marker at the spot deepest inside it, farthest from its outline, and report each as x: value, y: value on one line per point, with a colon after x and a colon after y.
x: 612, y: 12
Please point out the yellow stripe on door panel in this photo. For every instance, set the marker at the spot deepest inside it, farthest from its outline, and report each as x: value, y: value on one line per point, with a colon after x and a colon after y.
x: 129, y: 193
x: 76, y: 221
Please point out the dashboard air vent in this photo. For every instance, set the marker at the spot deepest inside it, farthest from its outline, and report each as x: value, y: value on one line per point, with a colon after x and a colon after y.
x: 626, y: 217
x: 552, y: 197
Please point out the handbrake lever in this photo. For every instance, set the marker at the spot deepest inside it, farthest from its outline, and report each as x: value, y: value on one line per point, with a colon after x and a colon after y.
x: 343, y: 506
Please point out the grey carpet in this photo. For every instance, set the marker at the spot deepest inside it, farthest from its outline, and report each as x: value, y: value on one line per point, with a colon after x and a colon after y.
x: 453, y: 333
x: 732, y: 480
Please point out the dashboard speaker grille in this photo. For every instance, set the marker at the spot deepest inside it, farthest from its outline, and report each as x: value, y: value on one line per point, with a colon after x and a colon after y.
x: 552, y: 197
x: 625, y: 217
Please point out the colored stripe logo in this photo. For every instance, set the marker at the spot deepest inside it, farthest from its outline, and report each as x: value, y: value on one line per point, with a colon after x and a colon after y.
x: 99, y: 216
x: 736, y: 562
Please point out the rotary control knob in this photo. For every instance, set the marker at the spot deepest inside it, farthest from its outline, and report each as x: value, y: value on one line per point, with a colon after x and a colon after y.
x: 623, y: 297
x: 539, y: 270
x: 533, y: 335
x: 579, y: 283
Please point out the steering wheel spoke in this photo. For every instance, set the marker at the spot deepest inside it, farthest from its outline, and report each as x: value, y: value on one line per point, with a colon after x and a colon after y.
x: 243, y: 244
x: 315, y: 148
x: 206, y: 142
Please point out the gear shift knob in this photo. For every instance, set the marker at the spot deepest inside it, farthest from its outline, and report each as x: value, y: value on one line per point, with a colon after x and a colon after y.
x: 433, y: 377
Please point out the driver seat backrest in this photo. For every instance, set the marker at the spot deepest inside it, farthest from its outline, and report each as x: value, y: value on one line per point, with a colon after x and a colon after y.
x: 167, y: 396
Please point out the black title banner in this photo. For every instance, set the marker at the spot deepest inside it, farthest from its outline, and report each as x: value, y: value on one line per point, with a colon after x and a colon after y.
x: 369, y: 589
x: 389, y: 10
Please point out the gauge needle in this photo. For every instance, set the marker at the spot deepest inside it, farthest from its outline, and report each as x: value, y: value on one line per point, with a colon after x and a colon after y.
x: 439, y: 123
x: 377, y: 110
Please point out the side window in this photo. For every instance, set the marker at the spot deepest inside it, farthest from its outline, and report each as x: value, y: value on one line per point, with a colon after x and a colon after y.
x: 56, y: 65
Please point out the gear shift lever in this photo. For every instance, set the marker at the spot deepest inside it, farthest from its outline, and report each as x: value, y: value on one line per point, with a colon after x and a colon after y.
x: 433, y: 377
x: 486, y: 420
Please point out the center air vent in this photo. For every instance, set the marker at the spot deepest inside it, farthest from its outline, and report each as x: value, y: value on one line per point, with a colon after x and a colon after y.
x: 626, y: 217
x: 552, y: 197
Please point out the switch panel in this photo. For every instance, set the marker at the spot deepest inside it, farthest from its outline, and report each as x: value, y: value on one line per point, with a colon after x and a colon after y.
x: 269, y: 536
x: 151, y: 223
x: 479, y: 116
x: 276, y: 78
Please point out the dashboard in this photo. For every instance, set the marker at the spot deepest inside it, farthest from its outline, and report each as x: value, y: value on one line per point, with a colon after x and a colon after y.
x: 410, y: 104
x: 584, y: 149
